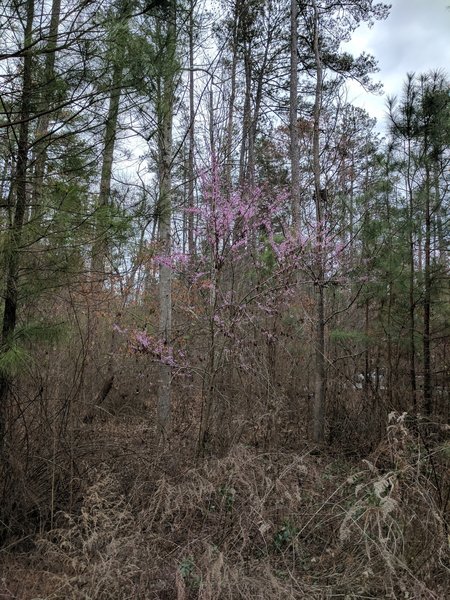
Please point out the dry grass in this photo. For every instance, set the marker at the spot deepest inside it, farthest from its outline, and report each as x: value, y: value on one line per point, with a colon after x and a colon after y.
x: 250, y: 526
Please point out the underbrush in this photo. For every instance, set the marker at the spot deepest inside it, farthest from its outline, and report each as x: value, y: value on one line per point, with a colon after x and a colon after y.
x: 253, y: 526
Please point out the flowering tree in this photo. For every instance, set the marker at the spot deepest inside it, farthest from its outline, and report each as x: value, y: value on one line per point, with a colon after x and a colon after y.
x: 247, y: 267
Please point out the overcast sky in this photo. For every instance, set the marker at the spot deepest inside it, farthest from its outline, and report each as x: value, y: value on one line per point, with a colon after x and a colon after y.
x: 414, y: 38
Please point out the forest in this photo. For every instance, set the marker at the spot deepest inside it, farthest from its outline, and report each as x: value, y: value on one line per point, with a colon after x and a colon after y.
x: 225, y: 316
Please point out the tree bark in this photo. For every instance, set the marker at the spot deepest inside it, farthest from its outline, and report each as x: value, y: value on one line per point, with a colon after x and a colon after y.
x: 13, y: 248
x: 228, y: 153
x: 390, y: 378
x: 100, y: 246
x: 320, y: 371
x: 247, y: 118
x: 293, y: 125
x: 190, y: 174
x: 427, y: 384
x: 257, y: 107
x: 165, y: 151
x: 412, y: 305
x: 47, y: 101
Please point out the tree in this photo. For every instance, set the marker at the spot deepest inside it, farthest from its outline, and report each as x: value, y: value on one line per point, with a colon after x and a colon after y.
x: 324, y: 56
x: 117, y: 51
x: 166, y: 36
x: 15, y: 233
x: 42, y: 128
x: 293, y: 119
x: 421, y: 121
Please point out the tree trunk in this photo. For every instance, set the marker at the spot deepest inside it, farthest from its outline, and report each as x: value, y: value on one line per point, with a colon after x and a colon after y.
x: 367, y: 376
x: 293, y: 125
x: 257, y: 109
x: 208, y: 389
x: 228, y: 153
x: 190, y: 173
x: 165, y: 123
x: 47, y: 101
x: 100, y: 247
x: 320, y: 372
x: 13, y: 247
x: 247, y: 118
x: 165, y: 284
x: 441, y: 241
x: 412, y: 306
x: 427, y: 384
x: 390, y: 391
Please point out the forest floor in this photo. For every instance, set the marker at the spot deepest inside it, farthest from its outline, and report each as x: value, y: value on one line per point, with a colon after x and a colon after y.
x: 250, y: 523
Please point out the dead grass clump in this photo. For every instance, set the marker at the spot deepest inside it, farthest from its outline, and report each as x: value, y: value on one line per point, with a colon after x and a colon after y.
x: 394, y: 529
x: 96, y: 554
x: 282, y: 526
x: 229, y: 526
x: 214, y: 576
x: 259, y: 526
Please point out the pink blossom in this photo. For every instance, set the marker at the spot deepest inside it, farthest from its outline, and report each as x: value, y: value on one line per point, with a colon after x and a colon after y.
x: 174, y: 261
x: 143, y: 340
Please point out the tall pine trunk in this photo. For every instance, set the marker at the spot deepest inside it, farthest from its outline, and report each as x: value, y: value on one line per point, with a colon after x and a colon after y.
x: 165, y: 110
x: 320, y: 371
x: 412, y: 305
x: 15, y: 233
x: 247, y: 116
x: 190, y: 170
x: 100, y: 246
x: 293, y: 125
x: 228, y: 151
x: 46, y: 103
x: 427, y: 383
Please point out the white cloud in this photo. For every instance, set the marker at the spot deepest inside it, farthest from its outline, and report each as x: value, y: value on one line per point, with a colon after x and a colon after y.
x: 414, y: 38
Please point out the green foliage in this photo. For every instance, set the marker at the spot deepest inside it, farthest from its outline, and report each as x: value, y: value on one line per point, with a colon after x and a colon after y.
x: 187, y: 569
x: 285, y: 537
x: 142, y: 64
x: 40, y: 332
x: 228, y: 497
x: 16, y: 355
x: 445, y: 450
x: 113, y: 222
x: 337, y: 335
x: 13, y: 360
x: 268, y: 258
